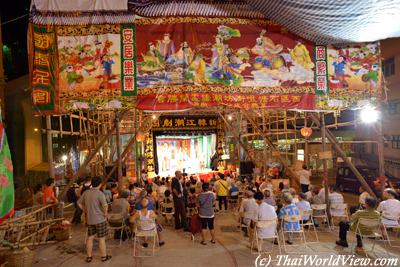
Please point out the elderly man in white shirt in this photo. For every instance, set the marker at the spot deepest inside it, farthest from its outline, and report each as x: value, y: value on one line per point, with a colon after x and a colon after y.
x: 264, y: 212
x: 390, y: 205
x: 248, y: 208
x: 334, y: 199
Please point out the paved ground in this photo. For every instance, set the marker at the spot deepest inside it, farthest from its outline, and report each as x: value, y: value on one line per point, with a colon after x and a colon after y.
x: 230, y: 250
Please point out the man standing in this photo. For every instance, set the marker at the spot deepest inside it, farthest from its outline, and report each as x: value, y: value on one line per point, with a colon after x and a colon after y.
x: 179, y: 204
x: 304, y: 175
x: 93, y: 203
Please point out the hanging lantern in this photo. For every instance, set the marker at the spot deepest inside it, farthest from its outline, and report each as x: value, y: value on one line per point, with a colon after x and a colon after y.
x: 140, y: 136
x: 306, y: 131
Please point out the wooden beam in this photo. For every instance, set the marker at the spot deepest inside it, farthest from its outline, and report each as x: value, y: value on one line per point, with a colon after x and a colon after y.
x: 336, y: 146
x: 118, y: 143
x: 49, y: 138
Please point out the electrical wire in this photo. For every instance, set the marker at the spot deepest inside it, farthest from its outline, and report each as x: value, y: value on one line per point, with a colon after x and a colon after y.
x: 14, y: 19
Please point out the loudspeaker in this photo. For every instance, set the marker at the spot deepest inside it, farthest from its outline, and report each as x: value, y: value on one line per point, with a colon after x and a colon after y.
x: 246, y: 167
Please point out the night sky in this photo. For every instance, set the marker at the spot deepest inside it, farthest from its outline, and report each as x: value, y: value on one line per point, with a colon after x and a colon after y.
x: 14, y: 37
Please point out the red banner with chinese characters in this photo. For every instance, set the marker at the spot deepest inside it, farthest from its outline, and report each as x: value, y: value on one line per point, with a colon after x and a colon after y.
x: 43, y: 67
x: 248, y: 101
x: 201, y: 62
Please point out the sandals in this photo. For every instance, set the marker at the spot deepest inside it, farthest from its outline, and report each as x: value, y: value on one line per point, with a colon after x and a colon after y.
x: 213, y: 241
x: 203, y: 243
x: 106, y: 258
x: 89, y: 259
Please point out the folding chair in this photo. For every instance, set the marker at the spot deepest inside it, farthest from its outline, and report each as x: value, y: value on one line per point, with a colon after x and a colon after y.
x: 145, y: 234
x: 309, y: 223
x: 394, y: 218
x: 292, y: 219
x: 233, y: 199
x: 339, y: 211
x: 320, y: 212
x: 117, y: 222
x: 167, y: 211
x: 374, y: 227
x: 266, y: 224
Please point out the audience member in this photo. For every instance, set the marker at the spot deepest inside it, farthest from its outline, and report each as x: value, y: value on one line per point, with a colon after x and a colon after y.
x: 289, y: 209
x: 206, y: 212
x: 221, y: 188
x: 268, y: 198
x: 179, y: 204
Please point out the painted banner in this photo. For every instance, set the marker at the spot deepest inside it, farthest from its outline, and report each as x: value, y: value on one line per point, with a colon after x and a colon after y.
x: 354, y: 76
x: 83, y: 67
x: 6, y: 177
x: 201, y: 62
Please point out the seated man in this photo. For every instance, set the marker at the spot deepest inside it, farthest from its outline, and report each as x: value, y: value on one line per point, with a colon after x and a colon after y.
x: 303, y: 204
x: 268, y: 197
x: 368, y: 213
x: 264, y: 212
x: 390, y: 205
x: 248, y: 208
x: 361, y: 200
x: 120, y: 208
x: 145, y: 220
x: 335, y: 198
x: 289, y: 209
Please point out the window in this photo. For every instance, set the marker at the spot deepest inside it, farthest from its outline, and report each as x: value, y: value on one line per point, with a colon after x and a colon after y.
x: 393, y: 108
x: 396, y: 141
x: 300, y: 154
x: 388, y: 67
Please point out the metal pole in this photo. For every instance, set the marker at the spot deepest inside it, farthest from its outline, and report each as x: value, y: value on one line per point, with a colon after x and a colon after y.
x: 118, y: 143
x: 49, y: 146
x: 325, y: 166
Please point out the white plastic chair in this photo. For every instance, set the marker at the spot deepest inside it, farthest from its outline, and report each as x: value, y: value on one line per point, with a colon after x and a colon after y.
x: 265, y: 224
x: 320, y: 212
x: 394, y: 218
x: 300, y: 231
x: 374, y: 227
x: 145, y: 234
x: 309, y: 223
x: 339, y: 211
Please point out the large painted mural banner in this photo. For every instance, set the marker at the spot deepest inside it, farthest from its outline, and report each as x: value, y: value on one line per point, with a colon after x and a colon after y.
x: 243, y: 63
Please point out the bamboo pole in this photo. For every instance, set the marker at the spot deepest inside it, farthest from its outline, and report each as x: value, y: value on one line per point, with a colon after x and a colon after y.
x: 332, y: 139
x: 118, y: 143
x: 325, y: 167
x: 49, y: 138
x: 92, y: 155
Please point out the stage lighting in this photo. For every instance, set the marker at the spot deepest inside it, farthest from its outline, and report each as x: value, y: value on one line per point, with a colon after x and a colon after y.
x: 64, y: 158
x: 369, y: 114
x: 154, y: 117
x: 230, y: 117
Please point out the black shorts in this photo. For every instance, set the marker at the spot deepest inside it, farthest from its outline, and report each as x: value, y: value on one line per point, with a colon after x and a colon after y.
x: 100, y: 229
x: 207, y: 222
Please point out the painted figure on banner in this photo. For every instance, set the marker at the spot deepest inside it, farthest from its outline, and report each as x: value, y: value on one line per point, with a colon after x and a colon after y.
x: 166, y: 47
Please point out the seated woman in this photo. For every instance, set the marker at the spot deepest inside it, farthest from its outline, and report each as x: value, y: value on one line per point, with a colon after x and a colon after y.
x: 120, y: 209
x: 145, y: 220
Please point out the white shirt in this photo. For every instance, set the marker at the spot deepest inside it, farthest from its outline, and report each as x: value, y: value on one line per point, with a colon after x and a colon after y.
x: 304, y: 176
x: 321, y: 194
x: 266, y: 212
x: 304, y: 205
x: 336, y: 198
x: 249, y: 208
x: 392, y: 206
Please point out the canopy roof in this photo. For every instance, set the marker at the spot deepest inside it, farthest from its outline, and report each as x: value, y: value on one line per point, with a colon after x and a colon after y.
x: 320, y: 21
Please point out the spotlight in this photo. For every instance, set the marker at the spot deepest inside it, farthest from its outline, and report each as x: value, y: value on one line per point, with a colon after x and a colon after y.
x: 36, y: 129
x: 230, y: 117
x: 64, y: 158
x: 369, y: 114
x: 154, y: 117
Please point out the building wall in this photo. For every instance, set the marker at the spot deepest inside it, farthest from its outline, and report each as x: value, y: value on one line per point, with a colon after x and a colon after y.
x: 390, y: 116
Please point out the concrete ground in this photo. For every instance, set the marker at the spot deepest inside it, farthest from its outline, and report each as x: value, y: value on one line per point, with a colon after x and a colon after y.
x: 230, y: 250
